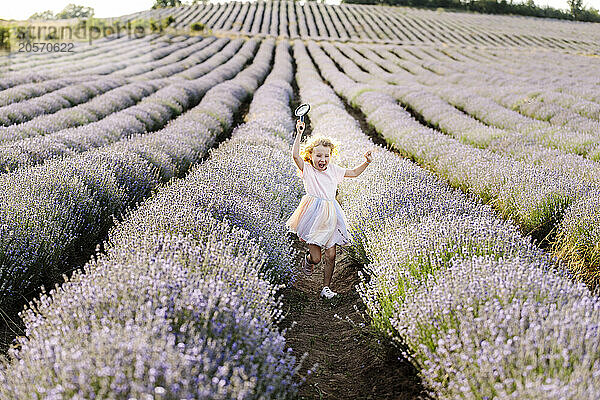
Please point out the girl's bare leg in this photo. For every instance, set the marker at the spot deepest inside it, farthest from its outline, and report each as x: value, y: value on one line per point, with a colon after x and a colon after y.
x: 315, y: 253
x: 329, y: 264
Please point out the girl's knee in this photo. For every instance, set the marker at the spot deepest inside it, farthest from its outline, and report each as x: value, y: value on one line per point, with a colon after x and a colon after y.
x: 315, y: 257
x: 330, y: 253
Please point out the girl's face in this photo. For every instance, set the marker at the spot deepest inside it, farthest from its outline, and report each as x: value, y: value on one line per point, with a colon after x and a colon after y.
x: 320, y: 157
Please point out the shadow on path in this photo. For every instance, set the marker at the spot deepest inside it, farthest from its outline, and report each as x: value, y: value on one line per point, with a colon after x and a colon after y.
x: 355, y: 362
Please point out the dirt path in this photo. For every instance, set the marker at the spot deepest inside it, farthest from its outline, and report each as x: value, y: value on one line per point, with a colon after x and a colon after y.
x: 354, y: 362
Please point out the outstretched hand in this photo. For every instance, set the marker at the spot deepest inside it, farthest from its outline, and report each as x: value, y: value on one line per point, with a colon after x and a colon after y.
x: 300, y: 126
x: 369, y: 156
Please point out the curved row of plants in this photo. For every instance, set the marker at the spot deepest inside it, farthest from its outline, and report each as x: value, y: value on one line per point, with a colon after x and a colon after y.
x: 83, y: 104
x: 55, y: 213
x: 18, y: 113
x: 444, y: 117
x: 541, y: 199
x: 180, y: 306
x: 181, y: 56
x: 502, y: 104
x: 36, y: 89
x: 569, y: 120
x: 101, y: 64
x: 480, y: 311
x: 83, y: 51
x: 152, y: 113
x: 568, y: 80
x: 367, y: 23
x: 112, y: 59
x: 576, y: 229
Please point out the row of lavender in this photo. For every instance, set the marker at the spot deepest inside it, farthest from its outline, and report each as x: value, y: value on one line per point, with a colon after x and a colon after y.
x: 542, y: 190
x: 32, y: 94
x: 54, y: 213
x: 81, y: 50
x: 374, y: 24
x: 24, y: 102
x: 17, y: 71
x: 180, y: 58
x: 124, y: 116
x: 576, y: 221
x: 134, y: 58
x: 483, y: 312
x: 570, y: 73
x: 568, y: 123
x: 450, y: 120
x: 179, y: 306
x: 564, y: 114
x: 447, y: 70
x: 90, y: 56
x: 576, y: 240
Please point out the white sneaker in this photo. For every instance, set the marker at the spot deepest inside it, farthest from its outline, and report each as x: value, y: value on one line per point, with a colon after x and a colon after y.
x: 326, y: 292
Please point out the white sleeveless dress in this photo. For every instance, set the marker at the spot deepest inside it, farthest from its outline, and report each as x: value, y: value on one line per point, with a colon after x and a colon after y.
x: 319, y: 218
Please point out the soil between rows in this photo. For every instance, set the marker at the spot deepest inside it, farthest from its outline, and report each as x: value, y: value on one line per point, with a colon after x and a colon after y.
x: 355, y: 362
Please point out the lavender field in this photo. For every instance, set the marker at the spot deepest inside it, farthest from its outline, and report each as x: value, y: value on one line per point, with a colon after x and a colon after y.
x: 145, y: 184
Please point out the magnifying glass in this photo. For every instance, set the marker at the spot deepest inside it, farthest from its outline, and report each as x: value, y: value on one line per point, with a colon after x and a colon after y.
x: 302, y: 110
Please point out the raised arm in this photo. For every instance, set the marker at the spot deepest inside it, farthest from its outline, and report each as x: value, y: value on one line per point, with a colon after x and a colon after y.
x: 296, y: 147
x: 356, y: 171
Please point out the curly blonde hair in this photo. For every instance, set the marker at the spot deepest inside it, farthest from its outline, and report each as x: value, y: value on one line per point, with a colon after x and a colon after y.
x: 314, y: 141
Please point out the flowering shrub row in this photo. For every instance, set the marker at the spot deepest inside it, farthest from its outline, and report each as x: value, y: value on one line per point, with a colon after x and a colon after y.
x: 453, y: 121
x: 104, y: 62
x: 179, y: 306
x: 570, y: 83
x: 55, y: 213
x: 152, y: 113
x: 245, y: 182
x: 99, y: 107
x: 575, y: 135
x: 503, y: 329
x: 491, y: 176
x: 152, y: 64
x: 375, y: 24
x: 30, y: 90
x: 114, y: 59
x: 52, y: 102
x: 83, y: 51
x: 154, y: 52
x: 482, y: 312
x: 534, y: 196
x: 577, y: 235
x: 146, y: 57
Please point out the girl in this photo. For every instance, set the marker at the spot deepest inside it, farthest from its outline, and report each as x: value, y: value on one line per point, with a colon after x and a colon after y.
x: 319, y: 220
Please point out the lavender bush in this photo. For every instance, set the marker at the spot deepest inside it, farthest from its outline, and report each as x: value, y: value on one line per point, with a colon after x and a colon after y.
x: 534, y: 196
x: 55, y: 101
x: 482, y: 102
x: 502, y: 329
x: 101, y: 64
x: 178, y: 317
x: 252, y: 169
x: 577, y: 239
x: 30, y: 90
x: 483, y: 312
x: 576, y: 242
x: 149, y: 115
x: 55, y: 212
x: 200, y: 312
